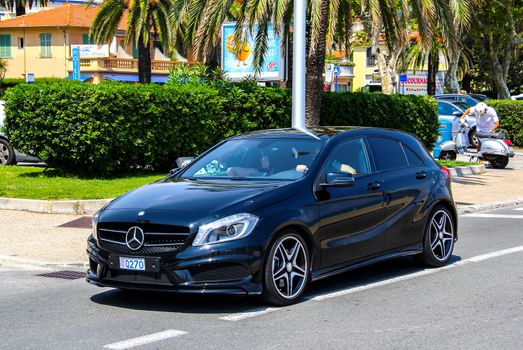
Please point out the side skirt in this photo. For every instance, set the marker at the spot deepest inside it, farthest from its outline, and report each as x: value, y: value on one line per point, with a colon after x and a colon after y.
x: 334, y: 270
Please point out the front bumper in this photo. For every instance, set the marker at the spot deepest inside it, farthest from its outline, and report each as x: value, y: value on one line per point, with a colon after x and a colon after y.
x: 231, y: 269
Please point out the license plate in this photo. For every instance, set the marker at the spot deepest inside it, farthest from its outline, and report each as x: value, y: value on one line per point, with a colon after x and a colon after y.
x: 135, y: 264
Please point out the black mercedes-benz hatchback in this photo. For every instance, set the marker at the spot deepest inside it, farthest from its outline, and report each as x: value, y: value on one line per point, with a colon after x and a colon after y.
x: 268, y: 212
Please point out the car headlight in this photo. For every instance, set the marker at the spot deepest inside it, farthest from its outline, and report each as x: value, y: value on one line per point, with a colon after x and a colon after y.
x: 226, y: 229
x: 94, y: 221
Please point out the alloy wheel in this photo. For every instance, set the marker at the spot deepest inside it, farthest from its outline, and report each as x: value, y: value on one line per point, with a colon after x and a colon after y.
x: 441, y: 235
x: 289, y: 267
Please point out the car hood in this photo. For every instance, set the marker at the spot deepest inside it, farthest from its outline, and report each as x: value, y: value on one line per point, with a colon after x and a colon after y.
x: 194, y: 200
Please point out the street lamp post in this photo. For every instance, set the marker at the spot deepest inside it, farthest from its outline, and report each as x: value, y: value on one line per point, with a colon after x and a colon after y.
x: 298, y: 67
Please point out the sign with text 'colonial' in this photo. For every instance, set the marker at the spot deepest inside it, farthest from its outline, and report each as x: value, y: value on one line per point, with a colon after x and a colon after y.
x: 92, y: 51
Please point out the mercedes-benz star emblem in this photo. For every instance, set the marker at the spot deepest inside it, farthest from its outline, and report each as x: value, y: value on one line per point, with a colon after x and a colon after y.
x: 134, y: 238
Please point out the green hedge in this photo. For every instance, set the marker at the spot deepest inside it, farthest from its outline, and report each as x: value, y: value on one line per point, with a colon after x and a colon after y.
x: 11, y: 82
x: 414, y: 114
x: 109, y: 128
x: 510, y: 114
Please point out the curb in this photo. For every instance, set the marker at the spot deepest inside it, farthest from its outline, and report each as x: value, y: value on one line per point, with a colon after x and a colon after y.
x: 481, y: 207
x: 21, y: 262
x: 78, y: 207
x: 467, y: 170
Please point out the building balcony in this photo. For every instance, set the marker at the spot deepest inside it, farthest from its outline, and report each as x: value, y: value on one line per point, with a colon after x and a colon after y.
x: 120, y: 65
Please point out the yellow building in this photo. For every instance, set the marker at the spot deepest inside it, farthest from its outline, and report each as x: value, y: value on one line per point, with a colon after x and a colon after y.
x: 360, y: 70
x: 40, y: 44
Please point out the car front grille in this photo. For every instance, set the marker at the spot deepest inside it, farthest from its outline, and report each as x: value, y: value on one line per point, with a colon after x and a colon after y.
x: 158, y: 239
x: 138, y: 277
x: 219, y: 272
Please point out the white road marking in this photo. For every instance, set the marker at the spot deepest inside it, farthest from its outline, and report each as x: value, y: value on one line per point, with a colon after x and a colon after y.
x: 518, y: 209
x: 475, y: 259
x: 494, y: 216
x: 425, y: 272
x: 146, y: 339
x: 250, y: 313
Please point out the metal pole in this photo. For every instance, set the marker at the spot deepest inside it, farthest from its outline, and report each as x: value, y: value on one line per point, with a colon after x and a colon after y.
x: 298, y: 67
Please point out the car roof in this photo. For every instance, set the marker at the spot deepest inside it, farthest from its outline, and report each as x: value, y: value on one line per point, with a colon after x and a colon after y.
x: 326, y: 133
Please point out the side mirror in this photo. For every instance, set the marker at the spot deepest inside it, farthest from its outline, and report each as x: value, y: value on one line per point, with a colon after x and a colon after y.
x: 182, y: 162
x: 457, y: 114
x: 338, y: 179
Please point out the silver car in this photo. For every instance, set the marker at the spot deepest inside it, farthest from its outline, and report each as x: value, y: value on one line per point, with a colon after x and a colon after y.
x: 9, y: 155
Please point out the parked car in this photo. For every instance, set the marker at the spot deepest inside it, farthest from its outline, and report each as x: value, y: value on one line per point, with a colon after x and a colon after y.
x: 517, y: 97
x: 270, y: 211
x: 451, y: 112
x: 479, y: 97
x: 468, y: 100
x: 9, y: 155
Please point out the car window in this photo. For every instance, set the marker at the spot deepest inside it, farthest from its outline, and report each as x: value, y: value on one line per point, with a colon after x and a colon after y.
x: 461, y: 105
x: 257, y: 158
x: 444, y: 108
x: 349, y: 157
x: 412, y: 157
x: 388, y: 153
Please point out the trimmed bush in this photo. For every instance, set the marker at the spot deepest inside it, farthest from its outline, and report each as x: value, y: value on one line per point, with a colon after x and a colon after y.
x: 510, y: 114
x: 11, y: 82
x: 414, y: 114
x: 111, y: 128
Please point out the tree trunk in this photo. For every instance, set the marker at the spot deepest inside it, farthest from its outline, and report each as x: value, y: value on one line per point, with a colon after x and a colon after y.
x: 497, y: 71
x: 315, y: 65
x: 144, y: 62
x: 451, y: 75
x: 465, y: 83
x: 499, y: 81
x: 433, y: 66
x: 20, y: 8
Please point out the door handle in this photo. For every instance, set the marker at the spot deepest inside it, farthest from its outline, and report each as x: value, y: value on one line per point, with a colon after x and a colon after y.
x: 421, y: 175
x: 373, y: 186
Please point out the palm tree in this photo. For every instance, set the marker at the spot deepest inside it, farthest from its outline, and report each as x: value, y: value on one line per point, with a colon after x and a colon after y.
x: 20, y: 5
x: 203, y: 19
x: 419, y: 55
x: 447, y: 17
x: 142, y: 18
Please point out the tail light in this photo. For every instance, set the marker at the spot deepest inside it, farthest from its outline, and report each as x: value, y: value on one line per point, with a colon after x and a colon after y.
x: 446, y: 172
x: 508, y: 142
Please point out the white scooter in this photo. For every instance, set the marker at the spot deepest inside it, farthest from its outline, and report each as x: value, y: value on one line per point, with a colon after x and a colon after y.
x: 495, y: 148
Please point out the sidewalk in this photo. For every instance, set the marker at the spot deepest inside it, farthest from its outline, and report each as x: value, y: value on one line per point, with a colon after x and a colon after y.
x: 37, y: 240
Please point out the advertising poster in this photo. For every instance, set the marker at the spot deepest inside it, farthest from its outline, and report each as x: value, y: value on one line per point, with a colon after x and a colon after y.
x: 237, y: 64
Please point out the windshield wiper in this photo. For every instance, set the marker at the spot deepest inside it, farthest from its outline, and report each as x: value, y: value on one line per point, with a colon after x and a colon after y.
x: 237, y: 178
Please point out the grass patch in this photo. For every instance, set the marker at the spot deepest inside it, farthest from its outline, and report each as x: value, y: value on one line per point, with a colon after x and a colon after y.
x: 455, y: 163
x: 40, y: 183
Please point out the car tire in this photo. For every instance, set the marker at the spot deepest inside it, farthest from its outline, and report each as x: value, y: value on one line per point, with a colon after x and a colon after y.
x: 7, y: 153
x: 286, y: 270
x: 447, y: 155
x: 499, y: 162
x: 438, y: 241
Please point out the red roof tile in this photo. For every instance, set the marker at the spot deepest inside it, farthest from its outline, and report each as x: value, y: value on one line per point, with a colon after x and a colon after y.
x: 67, y: 15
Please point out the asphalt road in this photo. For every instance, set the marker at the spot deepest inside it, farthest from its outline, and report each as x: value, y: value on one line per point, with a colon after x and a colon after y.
x: 475, y: 303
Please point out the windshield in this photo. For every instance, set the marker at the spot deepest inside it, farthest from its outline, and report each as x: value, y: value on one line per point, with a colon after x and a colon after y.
x: 257, y: 158
x: 461, y: 104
